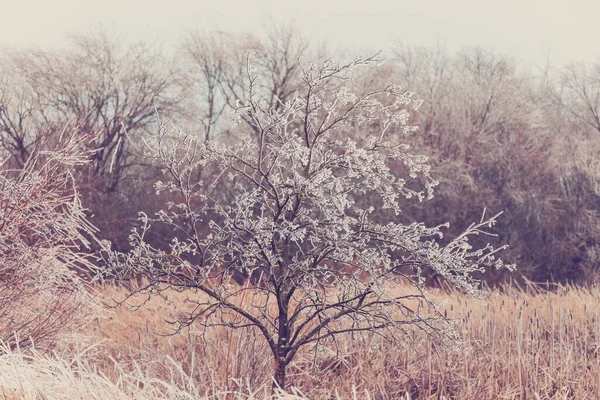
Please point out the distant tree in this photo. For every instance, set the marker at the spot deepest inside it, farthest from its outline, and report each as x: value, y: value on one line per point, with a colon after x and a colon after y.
x: 572, y: 105
x: 23, y: 117
x: 496, y: 139
x: 103, y: 86
x: 324, y: 265
x: 214, y: 73
x: 578, y: 92
x: 106, y: 88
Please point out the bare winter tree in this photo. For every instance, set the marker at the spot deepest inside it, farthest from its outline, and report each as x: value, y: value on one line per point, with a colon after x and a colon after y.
x: 579, y: 93
x: 489, y: 129
x: 572, y: 108
x: 104, y: 86
x: 324, y: 264
x: 214, y: 72
x: 23, y: 118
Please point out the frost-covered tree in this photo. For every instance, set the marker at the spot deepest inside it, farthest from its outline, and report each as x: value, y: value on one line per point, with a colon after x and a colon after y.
x: 302, y: 223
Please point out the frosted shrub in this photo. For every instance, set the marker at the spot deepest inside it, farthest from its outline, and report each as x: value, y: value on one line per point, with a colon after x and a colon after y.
x: 42, y: 227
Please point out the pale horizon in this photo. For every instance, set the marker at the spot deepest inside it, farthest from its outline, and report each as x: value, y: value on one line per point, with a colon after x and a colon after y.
x: 528, y: 31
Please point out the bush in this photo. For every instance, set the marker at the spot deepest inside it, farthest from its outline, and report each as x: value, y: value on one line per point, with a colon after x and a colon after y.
x: 42, y: 228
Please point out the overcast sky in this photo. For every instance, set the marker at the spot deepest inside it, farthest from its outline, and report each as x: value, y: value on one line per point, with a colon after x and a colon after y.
x: 528, y: 30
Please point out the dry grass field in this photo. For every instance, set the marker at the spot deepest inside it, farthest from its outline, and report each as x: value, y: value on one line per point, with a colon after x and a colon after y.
x: 519, y: 343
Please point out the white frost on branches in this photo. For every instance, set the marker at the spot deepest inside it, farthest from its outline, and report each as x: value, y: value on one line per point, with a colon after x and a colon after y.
x: 300, y: 216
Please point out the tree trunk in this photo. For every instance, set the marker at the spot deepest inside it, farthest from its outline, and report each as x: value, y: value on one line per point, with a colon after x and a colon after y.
x: 282, y: 345
x: 280, y: 371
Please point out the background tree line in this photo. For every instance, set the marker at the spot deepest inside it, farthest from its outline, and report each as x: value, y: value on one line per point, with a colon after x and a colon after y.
x: 499, y: 136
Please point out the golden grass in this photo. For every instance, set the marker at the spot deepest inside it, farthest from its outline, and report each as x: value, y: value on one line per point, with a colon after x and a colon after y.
x: 517, y: 344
